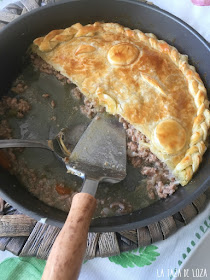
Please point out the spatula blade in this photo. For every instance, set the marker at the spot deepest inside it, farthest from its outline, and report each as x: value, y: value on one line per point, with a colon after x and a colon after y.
x: 100, y: 153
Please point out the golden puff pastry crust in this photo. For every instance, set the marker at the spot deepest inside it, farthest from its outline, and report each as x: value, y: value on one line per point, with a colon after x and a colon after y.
x: 143, y: 79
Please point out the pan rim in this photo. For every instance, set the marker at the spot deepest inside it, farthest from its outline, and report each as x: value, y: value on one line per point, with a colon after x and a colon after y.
x: 122, y: 226
x: 152, y: 7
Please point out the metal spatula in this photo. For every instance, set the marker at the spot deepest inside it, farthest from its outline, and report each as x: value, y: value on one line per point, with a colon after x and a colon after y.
x: 100, y: 155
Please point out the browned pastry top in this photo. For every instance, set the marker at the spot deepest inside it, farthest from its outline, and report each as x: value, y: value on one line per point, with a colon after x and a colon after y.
x: 144, y: 80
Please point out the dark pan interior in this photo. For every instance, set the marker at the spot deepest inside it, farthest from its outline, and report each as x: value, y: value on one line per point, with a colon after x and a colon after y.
x: 14, y: 41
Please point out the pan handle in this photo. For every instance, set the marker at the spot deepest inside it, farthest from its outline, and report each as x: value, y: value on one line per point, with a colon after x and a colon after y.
x: 67, y: 253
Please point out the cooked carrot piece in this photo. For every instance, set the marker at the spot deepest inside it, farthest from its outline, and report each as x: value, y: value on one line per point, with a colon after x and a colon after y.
x: 62, y: 190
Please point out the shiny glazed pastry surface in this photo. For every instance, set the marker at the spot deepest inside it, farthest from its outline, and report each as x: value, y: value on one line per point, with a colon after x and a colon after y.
x: 143, y: 79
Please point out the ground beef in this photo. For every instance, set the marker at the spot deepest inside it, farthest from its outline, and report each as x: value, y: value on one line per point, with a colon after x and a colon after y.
x: 52, y: 104
x: 133, y: 146
x: 76, y: 93
x: 44, y: 67
x: 45, y: 95
x: 90, y: 108
x: 19, y: 86
x: 14, y: 107
x: 135, y: 161
x: 5, y: 130
x: 164, y: 190
x: 11, y: 107
x: 53, y: 118
x: 159, y: 179
x: 149, y: 171
x: 132, y: 133
x: 42, y: 187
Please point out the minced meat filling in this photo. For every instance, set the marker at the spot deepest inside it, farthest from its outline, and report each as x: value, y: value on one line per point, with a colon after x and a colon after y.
x: 159, y: 179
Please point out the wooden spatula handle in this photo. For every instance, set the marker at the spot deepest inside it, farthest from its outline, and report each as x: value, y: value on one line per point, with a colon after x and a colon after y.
x: 67, y: 253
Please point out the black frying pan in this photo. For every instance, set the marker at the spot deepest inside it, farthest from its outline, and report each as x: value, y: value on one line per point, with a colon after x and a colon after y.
x: 18, y: 35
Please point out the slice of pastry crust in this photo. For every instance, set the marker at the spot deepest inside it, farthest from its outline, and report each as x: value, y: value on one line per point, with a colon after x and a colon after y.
x: 145, y: 80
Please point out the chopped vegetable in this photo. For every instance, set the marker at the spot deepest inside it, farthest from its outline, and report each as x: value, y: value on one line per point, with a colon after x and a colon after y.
x: 62, y: 190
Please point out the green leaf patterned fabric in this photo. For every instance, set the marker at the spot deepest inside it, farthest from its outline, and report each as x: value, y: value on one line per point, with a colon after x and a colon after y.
x: 139, y: 257
x: 22, y: 269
